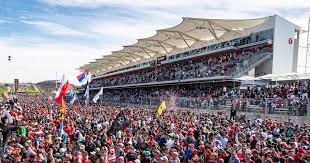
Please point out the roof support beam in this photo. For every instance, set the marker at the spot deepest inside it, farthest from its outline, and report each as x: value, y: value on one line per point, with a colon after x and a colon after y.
x: 119, y: 61
x: 132, y: 54
x: 161, y: 44
x: 147, y: 52
x: 212, y: 31
x: 143, y: 48
x: 226, y: 29
x: 163, y: 47
x: 153, y: 51
x: 212, y: 23
x: 173, y: 46
x: 181, y: 33
x: 131, y: 57
x: 127, y: 53
x: 102, y: 65
x: 125, y: 58
x: 184, y: 40
x: 120, y: 58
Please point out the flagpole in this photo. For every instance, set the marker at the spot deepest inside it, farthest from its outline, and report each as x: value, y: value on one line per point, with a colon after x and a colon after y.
x: 307, y: 47
x: 56, y: 80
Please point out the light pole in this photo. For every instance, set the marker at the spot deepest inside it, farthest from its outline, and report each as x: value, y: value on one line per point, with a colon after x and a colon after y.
x: 307, y: 46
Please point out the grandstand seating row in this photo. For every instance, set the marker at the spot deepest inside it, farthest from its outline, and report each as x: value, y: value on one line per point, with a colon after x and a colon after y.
x: 223, y: 64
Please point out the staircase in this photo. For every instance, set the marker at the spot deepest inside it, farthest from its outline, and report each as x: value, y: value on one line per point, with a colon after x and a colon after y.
x: 254, y: 61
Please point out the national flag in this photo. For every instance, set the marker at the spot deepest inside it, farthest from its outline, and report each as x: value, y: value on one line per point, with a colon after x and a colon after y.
x: 161, y: 108
x: 95, y: 99
x: 63, y: 89
x: 120, y: 123
x: 86, y: 93
x: 62, y: 111
x: 84, y: 77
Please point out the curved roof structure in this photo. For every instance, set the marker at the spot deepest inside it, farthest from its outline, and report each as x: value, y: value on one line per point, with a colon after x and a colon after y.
x: 183, y: 36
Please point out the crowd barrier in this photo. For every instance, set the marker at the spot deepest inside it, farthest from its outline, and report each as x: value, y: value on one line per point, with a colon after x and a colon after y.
x: 278, y: 106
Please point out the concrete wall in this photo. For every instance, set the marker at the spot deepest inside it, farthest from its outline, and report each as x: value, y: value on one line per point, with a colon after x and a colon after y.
x: 283, y: 52
x: 295, y: 55
x: 265, y: 67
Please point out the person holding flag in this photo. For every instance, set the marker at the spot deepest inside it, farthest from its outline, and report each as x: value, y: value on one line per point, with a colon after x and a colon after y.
x: 95, y: 99
x: 86, y: 94
x: 62, y: 114
x: 120, y: 123
x: 161, y: 108
x: 63, y: 89
x: 72, y: 96
x: 84, y: 78
x: 62, y: 111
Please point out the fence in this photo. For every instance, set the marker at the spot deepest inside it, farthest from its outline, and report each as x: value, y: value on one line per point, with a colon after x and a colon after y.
x: 263, y: 106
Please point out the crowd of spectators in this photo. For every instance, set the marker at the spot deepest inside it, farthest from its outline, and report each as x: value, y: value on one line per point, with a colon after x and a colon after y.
x: 291, y: 97
x: 207, y: 66
x: 175, y: 136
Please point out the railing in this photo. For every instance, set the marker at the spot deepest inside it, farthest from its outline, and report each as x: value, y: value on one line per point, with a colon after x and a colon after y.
x: 253, y: 59
x: 267, y: 106
x: 252, y: 63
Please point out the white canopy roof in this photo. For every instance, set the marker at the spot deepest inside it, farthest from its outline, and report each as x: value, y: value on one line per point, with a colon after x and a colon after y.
x: 291, y: 76
x: 247, y: 78
x: 181, y: 37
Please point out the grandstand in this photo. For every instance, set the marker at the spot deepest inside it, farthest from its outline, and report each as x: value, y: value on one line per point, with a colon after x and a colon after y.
x: 47, y: 87
x: 197, y: 54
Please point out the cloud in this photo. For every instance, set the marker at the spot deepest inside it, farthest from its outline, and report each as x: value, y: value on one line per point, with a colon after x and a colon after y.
x: 111, y: 24
x: 126, y: 31
x: 54, y: 28
x: 98, y: 3
x: 39, y: 62
x: 236, y: 4
x: 4, y: 21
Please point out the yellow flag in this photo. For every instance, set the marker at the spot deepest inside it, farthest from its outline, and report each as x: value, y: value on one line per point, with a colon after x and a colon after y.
x: 62, y: 111
x: 5, y: 95
x: 161, y: 108
x: 137, y: 134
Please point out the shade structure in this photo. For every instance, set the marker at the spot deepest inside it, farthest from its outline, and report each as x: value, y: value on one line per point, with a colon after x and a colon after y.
x: 247, y: 78
x: 189, y: 34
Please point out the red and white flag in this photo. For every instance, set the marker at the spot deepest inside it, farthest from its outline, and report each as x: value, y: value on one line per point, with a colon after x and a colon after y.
x: 63, y: 89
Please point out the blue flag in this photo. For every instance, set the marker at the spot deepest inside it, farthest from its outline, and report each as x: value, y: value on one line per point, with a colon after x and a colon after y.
x: 73, y: 99
x: 71, y: 93
x: 61, y: 129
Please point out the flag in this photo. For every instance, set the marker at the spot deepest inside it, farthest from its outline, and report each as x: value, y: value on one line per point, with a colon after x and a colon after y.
x: 84, y: 77
x: 5, y: 95
x: 63, y: 89
x: 95, y: 99
x: 76, y: 107
x: 61, y: 129
x: 73, y: 99
x: 120, y: 123
x: 86, y: 93
x: 161, y: 108
x: 62, y: 111
x: 71, y: 93
x: 22, y: 131
x: 72, y: 96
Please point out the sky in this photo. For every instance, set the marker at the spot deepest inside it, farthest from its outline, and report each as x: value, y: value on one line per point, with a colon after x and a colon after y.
x: 47, y: 38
